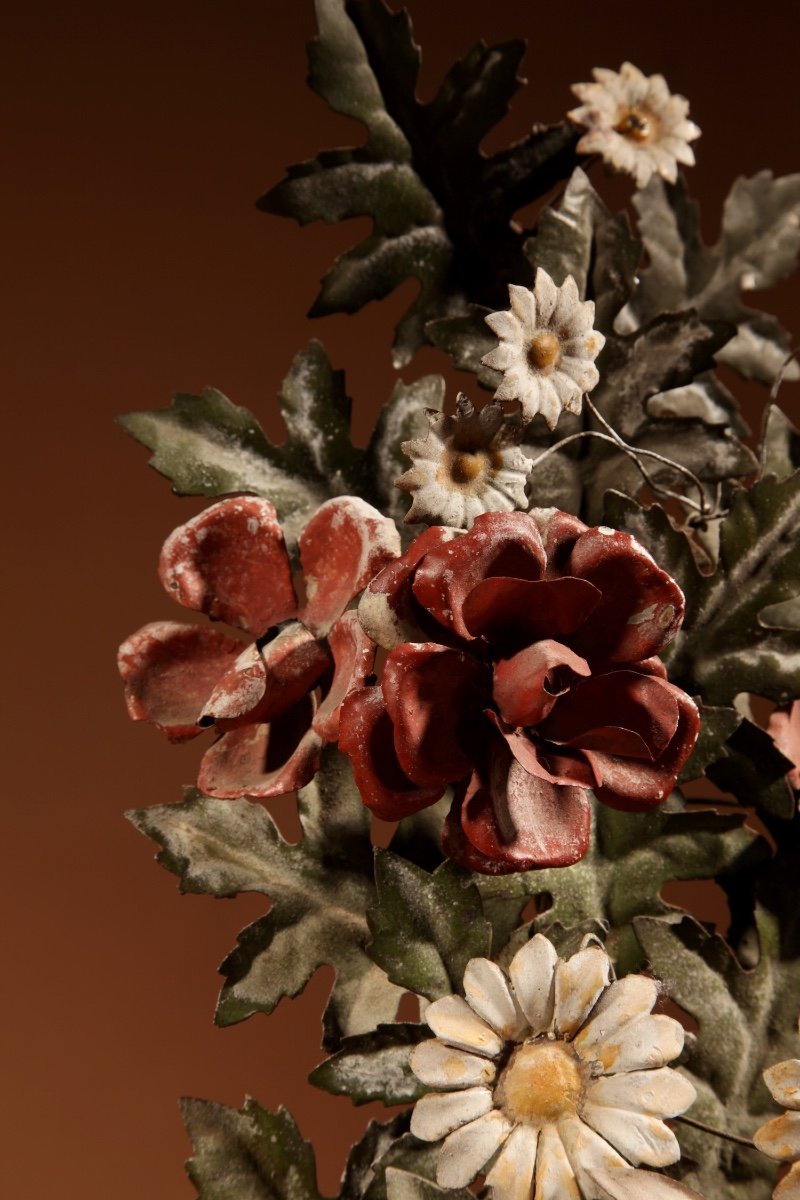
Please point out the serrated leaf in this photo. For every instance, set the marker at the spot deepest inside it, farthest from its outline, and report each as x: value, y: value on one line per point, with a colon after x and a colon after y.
x: 378, y: 1138
x: 374, y: 1066
x: 753, y: 770
x: 747, y: 1020
x: 716, y: 726
x: 631, y: 857
x: 780, y: 444
x: 402, y: 1185
x: 426, y: 928
x: 320, y: 891
x: 400, y: 420
x: 248, y: 1153
x: 758, y: 245
x: 441, y: 209
x: 207, y: 446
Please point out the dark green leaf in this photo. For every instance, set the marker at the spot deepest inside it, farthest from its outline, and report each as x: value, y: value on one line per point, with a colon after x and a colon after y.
x: 753, y: 770
x: 426, y: 928
x: 402, y: 1185
x: 780, y: 444
x: 320, y: 890
x: 716, y: 726
x: 374, y: 1066
x: 407, y: 1153
x: 248, y: 1153
x: 401, y: 420
x: 377, y: 1140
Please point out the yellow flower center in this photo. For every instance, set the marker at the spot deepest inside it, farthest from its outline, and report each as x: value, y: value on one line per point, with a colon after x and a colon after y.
x: 465, y: 467
x: 634, y: 125
x: 543, y: 1082
x: 544, y: 350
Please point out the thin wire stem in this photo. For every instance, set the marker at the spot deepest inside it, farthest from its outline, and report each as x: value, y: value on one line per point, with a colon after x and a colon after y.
x: 729, y: 1137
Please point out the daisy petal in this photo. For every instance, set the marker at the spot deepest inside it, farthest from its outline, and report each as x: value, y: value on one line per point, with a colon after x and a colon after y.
x: 585, y: 1149
x: 487, y: 992
x: 660, y: 1093
x: 640, y: 1137
x: 511, y: 1177
x: 452, y: 1020
x: 467, y: 1150
x: 532, y: 972
x: 780, y: 1138
x: 646, y: 1042
x: 634, y: 1184
x: 579, y: 982
x: 625, y: 999
x: 441, y: 1066
x: 438, y: 1114
x: 789, y: 1186
x: 783, y: 1081
x: 555, y: 1179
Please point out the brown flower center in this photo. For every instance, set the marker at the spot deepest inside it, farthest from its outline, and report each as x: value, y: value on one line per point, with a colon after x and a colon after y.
x: 634, y: 125
x: 544, y: 350
x: 464, y: 467
x: 543, y: 1082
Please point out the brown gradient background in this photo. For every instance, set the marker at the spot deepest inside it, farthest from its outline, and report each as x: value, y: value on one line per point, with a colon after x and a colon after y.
x: 137, y: 136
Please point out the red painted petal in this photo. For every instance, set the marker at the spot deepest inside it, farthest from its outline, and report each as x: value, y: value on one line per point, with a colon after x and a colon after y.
x: 512, y: 613
x: 388, y: 609
x: 366, y: 736
x: 354, y: 656
x: 560, y: 531
x: 294, y: 661
x: 263, y: 760
x: 169, y: 670
x: 521, y: 821
x: 527, y: 685
x: 231, y: 562
x: 434, y: 695
x: 239, y: 690
x: 635, y: 786
x: 642, y: 606
x: 621, y: 713
x: 342, y: 547
x: 568, y: 767
x: 498, y: 544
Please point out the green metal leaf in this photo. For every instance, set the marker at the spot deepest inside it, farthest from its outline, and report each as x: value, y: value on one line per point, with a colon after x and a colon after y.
x: 400, y: 420
x: 426, y: 928
x: 374, y: 1066
x: 320, y: 889
x: 402, y: 1185
x: 780, y: 444
x: 248, y: 1153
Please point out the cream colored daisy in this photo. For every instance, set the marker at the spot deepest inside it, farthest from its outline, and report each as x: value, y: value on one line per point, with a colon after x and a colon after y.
x: 547, y: 348
x: 780, y: 1137
x: 635, y: 123
x: 467, y: 465
x: 548, y: 1073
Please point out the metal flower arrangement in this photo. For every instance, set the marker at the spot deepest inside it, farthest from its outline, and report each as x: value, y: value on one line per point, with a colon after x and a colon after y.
x: 518, y: 624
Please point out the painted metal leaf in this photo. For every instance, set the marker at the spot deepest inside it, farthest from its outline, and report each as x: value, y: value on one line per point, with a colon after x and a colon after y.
x: 747, y: 1020
x: 403, y: 1185
x: 401, y: 419
x: 248, y: 1153
x: 378, y: 1139
x: 780, y: 444
x: 320, y: 890
x: 630, y: 858
x: 441, y: 209
x: 758, y: 245
x: 426, y: 928
x: 374, y: 1066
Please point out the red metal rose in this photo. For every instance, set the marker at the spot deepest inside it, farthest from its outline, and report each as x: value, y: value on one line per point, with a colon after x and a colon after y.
x: 522, y: 669
x: 275, y: 701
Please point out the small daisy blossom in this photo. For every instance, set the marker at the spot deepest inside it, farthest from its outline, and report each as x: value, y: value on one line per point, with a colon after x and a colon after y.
x: 547, y: 348
x: 467, y: 465
x: 635, y: 123
x: 780, y: 1137
x: 547, y: 1074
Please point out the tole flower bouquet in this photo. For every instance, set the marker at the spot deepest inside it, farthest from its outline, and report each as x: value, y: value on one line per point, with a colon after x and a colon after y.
x: 520, y: 626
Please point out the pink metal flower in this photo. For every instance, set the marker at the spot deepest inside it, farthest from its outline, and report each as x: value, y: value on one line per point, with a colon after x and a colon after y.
x: 276, y: 700
x: 522, y: 669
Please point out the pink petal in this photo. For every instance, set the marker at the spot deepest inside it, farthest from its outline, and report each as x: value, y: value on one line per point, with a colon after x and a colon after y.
x: 570, y: 767
x: 366, y: 736
x: 354, y: 656
x: 622, y: 713
x: 527, y: 685
x: 169, y: 670
x: 388, y: 609
x: 642, y: 606
x: 505, y: 544
x: 342, y: 547
x: 512, y: 613
x: 518, y: 823
x: 231, y: 562
x: 263, y: 760
x: 635, y: 786
x: 434, y: 696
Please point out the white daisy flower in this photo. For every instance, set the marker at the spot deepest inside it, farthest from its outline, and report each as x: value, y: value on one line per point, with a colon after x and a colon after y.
x: 780, y: 1137
x: 635, y: 123
x: 467, y: 465
x: 547, y: 348
x: 548, y: 1075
